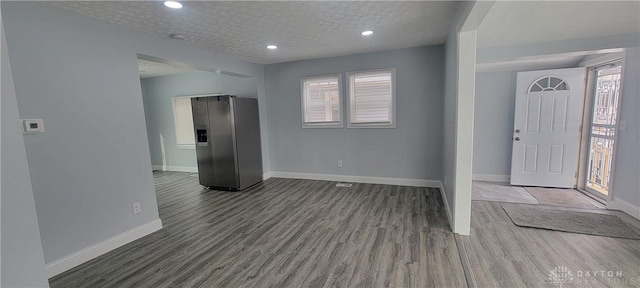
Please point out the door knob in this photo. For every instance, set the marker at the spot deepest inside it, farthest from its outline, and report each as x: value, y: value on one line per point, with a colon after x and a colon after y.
x: 517, y: 139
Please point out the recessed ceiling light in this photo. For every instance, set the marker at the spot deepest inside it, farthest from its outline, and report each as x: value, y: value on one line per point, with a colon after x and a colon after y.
x: 272, y: 47
x: 367, y: 33
x: 173, y: 4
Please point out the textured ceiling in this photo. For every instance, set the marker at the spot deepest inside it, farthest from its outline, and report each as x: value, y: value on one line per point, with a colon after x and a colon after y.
x: 520, y: 23
x: 301, y: 29
x: 150, y: 69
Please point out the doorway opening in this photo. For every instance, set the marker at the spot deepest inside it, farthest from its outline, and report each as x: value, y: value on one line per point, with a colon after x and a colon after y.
x: 167, y: 88
x: 605, y: 96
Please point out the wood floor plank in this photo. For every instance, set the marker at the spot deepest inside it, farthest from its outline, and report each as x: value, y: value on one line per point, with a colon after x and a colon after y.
x: 504, y: 255
x: 284, y: 233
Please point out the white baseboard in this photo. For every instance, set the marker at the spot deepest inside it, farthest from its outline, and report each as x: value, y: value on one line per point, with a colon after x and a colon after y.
x: 175, y: 168
x: 491, y: 178
x: 72, y: 260
x: 624, y: 206
x: 446, y: 206
x: 357, y: 179
x: 266, y: 175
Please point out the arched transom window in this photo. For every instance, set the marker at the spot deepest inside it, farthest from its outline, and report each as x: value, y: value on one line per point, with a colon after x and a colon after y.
x: 549, y: 83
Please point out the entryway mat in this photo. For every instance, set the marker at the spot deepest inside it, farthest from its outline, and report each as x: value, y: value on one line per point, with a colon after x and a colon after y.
x: 552, y: 218
x: 562, y: 197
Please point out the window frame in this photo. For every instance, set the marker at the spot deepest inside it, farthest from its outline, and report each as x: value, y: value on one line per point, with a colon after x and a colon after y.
x: 349, y: 100
x: 340, y: 123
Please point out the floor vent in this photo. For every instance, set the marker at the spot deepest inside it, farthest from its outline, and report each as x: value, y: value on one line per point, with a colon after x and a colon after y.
x: 344, y: 184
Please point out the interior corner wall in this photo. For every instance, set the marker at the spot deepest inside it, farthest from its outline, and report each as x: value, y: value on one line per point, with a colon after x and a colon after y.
x: 465, y: 99
x: 157, y: 94
x: 22, y: 256
x: 80, y: 75
x: 460, y: 61
x: 493, y: 123
x: 449, y: 129
x: 626, y: 183
x: 412, y: 150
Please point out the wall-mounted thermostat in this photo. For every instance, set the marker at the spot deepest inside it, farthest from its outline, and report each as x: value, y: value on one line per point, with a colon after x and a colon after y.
x: 33, y: 125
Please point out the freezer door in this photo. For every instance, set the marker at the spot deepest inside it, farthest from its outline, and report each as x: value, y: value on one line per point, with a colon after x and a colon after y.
x: 221, y: 123
x: 200, y: 111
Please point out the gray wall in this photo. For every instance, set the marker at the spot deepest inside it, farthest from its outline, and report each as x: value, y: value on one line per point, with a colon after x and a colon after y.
x: 22, y: 257
x: 626, y: 180
x: 412, y: 150
x: 493, y: 122
x: 157, y: 93
x: 80, y: 75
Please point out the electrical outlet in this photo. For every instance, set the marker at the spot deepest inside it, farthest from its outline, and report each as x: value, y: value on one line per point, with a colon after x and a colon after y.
x: 339, y: 163
x: 137, y: 208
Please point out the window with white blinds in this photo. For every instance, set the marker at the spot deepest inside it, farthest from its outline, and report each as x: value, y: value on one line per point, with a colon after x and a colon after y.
x: 321, y: 101
x: 372, y: 99
x: 183, y: 120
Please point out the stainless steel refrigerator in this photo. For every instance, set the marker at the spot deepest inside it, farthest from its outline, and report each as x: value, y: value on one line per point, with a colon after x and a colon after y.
x: 227, y: 131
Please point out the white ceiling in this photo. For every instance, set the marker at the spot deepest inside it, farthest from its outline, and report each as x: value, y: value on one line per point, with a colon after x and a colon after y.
x: 150, y: 69
x: 519, y: 23
x: 301, y: 29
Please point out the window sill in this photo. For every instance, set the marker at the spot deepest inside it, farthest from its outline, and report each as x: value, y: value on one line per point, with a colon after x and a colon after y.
x: 187, y: 146
x: 369, y: 126
x: 312, y: 126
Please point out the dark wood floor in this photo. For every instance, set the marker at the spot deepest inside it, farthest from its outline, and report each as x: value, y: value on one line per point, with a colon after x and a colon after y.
x: 502, y: 254
x: 284, y: 233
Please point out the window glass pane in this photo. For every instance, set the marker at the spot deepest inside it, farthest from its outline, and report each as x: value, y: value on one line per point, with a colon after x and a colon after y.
x: 607, y: 94
x: 184, y: 121
x: 562, y: 86
x: 321, y: 97
x: 549, y: 84
x: 370, y: 97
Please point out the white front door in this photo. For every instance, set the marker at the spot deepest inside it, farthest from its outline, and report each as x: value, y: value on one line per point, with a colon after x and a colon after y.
x: 546, y: 136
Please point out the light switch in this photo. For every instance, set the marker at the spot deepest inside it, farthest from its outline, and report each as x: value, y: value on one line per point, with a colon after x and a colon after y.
x: 33, y: 125
x: 622, y: 126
